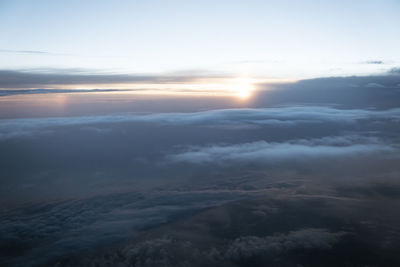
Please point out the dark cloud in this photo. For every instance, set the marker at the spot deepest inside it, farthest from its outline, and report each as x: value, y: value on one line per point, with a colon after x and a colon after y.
x: 395, y: 71
x: 163, y: 251
x: 65, y: 91
x: 80, y: 225
x: 375, y: 62
x: 295, y: 230
x: 56, y: 91
x: 375, y: 91
x: 12, y: 79
x: 252, y: 246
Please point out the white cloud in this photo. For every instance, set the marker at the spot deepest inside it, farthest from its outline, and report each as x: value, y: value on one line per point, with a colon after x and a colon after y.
x: 284, y: 116
x: 265, y: 152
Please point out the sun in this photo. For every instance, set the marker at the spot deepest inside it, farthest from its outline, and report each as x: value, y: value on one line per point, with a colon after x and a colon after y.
x: 243, y: 87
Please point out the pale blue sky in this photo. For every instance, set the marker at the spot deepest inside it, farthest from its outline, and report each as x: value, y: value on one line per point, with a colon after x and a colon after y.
x: 285, y: 39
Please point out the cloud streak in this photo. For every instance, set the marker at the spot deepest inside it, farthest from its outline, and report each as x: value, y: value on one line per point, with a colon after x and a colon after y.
x: 33, y: 52
x: 13, y: 79
x: 375, y: 62
x: 57, y: 91
x: 299, y: 150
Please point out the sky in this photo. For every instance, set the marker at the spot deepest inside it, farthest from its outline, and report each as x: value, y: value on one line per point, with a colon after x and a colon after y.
x: 199, y: 133
x: 267, y: 39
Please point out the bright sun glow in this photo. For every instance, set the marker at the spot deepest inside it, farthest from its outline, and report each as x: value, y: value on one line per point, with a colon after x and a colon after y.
x: 243, y: 87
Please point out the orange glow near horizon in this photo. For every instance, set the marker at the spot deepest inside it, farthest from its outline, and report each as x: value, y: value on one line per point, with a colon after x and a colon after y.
x: 241, y: 87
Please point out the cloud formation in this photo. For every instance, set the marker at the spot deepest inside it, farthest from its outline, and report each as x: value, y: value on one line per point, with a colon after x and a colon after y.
x: 375, y: 62
x: 300, y: 150
x: 346, y: 92
x: 33, y: 52
x: 13, y: 79
x: 80, y: 225
x: 285, y: 116
x: 57, y: 91
x: 252, y: 246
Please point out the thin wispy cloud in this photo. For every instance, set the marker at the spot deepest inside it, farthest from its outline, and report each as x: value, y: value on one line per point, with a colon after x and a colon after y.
x: 32, y: 52
x: 375, y: 62
x: 57, y: 91
x: 19, y: 79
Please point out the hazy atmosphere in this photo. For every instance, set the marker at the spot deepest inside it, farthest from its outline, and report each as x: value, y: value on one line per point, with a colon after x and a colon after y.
x: 199, y: 133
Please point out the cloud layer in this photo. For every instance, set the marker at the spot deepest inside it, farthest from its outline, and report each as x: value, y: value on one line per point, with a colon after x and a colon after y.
x: 14, y: 79
x: 252, y: 246
x: 299, y: 150
x: 285, y: 116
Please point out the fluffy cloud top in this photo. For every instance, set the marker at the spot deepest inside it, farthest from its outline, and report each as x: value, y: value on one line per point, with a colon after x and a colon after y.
x: 265, y: 152
x: 284, y: 116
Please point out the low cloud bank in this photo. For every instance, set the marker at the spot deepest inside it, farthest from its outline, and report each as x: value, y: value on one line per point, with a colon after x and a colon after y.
x: 284, y: 116
x: 378, y: 91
